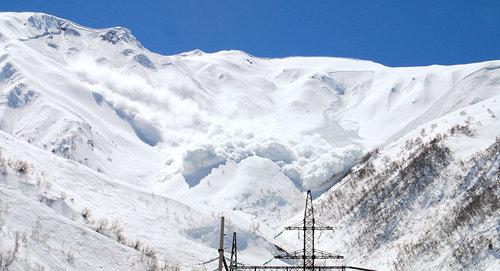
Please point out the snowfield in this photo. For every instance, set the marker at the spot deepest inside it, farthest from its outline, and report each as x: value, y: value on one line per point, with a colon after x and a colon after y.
x: 113, y: 157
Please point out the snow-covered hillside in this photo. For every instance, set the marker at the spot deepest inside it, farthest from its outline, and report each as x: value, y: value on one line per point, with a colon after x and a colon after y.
x: 114, y: 157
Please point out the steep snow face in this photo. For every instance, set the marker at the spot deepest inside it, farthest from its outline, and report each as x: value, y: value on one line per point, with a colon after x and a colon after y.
x: 44, y: 102
x: 196, y: 135
x: 430, y: 199
x: 245, y: 187
x: 97, y: 96
x: 63, y: 215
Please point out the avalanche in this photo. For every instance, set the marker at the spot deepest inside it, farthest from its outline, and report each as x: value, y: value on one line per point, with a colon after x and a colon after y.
x: 117, y: 158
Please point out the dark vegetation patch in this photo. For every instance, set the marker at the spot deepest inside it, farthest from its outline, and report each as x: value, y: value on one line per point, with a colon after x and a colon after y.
x: 380, y: 201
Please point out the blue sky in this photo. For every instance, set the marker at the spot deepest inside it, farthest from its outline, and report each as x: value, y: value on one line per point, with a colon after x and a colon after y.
x: 395, y: 33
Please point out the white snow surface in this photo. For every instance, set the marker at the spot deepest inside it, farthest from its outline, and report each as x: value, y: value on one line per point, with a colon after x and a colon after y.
x: 163, y: 145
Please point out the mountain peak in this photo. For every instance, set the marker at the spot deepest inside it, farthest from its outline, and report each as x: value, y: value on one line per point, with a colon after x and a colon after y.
x: 120, y: 34
x: 32, y: 25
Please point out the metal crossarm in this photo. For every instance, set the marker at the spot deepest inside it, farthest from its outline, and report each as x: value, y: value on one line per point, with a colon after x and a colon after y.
x: 318, y: 254
x: 317, y: 228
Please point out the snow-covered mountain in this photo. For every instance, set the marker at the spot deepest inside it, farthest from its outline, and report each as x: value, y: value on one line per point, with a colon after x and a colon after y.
x: 117, y: 158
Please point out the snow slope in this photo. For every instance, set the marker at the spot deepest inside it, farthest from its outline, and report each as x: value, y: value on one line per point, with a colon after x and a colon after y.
x: 165, y: 144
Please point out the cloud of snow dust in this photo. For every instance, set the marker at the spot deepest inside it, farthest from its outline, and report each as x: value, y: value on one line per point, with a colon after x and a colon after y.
x: 173, y: 104
x: 151, y: 98
x: 309, y: 161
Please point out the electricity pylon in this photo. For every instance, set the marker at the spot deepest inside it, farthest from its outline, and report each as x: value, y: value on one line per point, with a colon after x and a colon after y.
x: 308, y: 227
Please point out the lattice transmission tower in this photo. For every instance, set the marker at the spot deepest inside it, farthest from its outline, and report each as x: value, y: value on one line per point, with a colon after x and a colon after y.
x: 309, y: 226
